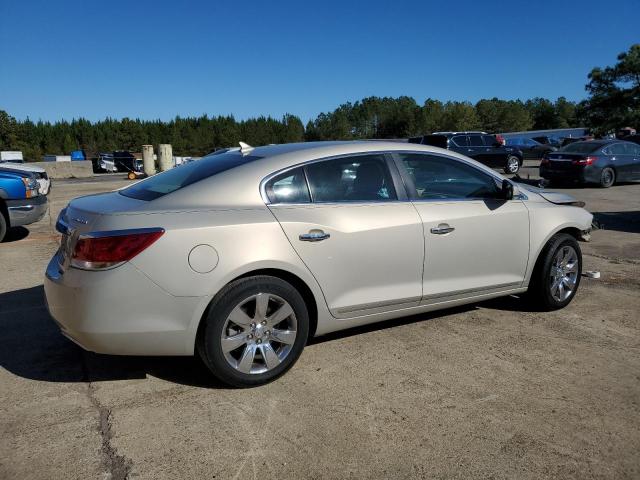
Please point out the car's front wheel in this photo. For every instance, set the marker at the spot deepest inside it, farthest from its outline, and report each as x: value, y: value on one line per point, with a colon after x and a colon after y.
x: 513, y: 165
x: 556, y: 276
x: 254, y: 331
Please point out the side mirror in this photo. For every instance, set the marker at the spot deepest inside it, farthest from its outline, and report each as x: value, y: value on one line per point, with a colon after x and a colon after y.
x: 507, y: 190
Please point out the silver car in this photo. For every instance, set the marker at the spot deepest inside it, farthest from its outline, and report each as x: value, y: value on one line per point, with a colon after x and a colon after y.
x: 244, y: 255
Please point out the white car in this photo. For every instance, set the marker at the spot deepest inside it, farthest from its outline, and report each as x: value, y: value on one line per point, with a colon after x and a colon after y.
x: 44, y: 182
x: 244, y: 255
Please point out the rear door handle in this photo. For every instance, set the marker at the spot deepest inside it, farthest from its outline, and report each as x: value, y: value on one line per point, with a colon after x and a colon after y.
x: 314, y: 236
x: 442, y: 229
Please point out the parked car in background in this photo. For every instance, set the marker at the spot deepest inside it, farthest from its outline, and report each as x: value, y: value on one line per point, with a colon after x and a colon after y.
x: 7, y: 156
x: 40, y: 174
x: 244, y: 255
x: 530, y: 148
x: 548, y: 140
x: 569, y: 140
x: 481, y: 146
x: 603, y: 162
x: 20, y: 201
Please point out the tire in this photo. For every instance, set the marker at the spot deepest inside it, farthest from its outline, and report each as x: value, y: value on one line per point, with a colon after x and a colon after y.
x: 543, y: 293
x: 513, y: 165
x: 249, y: 346
x: 607, y: 177
x: 3, y: 226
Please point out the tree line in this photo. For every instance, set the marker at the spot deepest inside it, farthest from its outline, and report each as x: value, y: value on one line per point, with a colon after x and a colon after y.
x: 371, y: 117
x: 613, y: 102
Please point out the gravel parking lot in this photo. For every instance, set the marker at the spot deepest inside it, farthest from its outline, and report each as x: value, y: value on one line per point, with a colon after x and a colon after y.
x: 491, y: 390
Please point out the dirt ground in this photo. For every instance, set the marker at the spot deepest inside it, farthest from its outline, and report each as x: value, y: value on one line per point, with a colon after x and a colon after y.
x: 491, y: 390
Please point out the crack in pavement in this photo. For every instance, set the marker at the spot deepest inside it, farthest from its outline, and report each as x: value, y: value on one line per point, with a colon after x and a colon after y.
x: 117, y: 466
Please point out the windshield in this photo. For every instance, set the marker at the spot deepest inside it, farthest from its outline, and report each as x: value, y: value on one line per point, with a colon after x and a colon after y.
x: 187, y: 174
x: 581, y: 147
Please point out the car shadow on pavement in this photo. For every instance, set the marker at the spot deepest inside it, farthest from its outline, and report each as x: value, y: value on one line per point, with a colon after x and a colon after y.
x: 619, y: 221
x: 16, y: 233
x: 32, y: 347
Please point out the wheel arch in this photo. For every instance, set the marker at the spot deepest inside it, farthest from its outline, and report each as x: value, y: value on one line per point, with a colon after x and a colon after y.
x: 298, y: 283
x: 4, y: 210
x: 572, y: 230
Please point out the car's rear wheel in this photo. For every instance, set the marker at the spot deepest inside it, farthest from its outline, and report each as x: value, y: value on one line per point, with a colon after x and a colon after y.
x: 556, y: 276
x: 513, y: 164
x: 254, y: 331
x: 607, y: 177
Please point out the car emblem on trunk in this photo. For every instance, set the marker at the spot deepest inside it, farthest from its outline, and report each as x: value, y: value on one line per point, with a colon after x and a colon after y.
x: 80, y: 220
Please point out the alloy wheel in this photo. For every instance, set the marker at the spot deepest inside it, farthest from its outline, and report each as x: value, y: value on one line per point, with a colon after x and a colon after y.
x: 564, y: 273
x: 259, y: 333
x: 513, y: 164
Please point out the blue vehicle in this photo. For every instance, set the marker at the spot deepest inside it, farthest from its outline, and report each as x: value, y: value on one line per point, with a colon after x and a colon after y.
x: 20, y: 201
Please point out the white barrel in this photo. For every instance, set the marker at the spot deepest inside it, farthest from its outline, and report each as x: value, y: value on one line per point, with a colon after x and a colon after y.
x: 165, y: 157
x: 148, y: 162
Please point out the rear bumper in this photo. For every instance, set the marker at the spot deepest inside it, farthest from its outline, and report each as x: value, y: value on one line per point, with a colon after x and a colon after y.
x: 120, y: 311
x: 26, y: 212
x: 587, y: 174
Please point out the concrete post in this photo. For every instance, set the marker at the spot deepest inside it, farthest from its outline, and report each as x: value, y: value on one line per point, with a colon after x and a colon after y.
x: 148, y: 162
x: 165, y: 157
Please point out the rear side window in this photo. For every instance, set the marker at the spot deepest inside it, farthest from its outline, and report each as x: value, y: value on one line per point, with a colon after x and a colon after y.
x: 618, y: 149
x: 489, y: 140
x: 288, y: 187
x: 440, y: 178
x: 460, y: 140
x: 361, y: 178
x: 179, y: 177
x: 475, y: 141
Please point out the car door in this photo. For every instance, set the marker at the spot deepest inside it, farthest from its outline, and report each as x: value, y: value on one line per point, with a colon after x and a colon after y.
x: 635, y: 153
x: 621, y: 159
x: 460, y: 144
x: 352, y: 225
x: 495, y: 155
x: 477, y: 149
x: 475, y: 242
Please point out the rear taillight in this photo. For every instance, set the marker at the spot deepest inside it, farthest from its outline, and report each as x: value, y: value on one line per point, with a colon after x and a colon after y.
x: 101, y: 250
x: 584, y: 161
x: 500, y: 139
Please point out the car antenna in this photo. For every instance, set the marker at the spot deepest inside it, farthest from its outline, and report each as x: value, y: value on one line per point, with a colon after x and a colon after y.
x: 245, y: 148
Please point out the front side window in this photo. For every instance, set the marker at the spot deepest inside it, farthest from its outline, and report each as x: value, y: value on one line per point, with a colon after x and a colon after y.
x: 437, y: 177
x: 632, y: 149
x: 288, y: 187
x: 351, y: 179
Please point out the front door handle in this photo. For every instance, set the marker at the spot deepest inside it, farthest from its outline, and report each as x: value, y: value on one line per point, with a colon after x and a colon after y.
x: 442, y: 229
x: 314, y: 236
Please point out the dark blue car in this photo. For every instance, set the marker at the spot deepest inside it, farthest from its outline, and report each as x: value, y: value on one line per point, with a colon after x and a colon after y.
x: 20, y: 201
x: 602, y: 162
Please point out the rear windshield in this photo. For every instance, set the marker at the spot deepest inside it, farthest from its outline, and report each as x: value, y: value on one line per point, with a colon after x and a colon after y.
x: 187, y: 174
x: 582, y: 147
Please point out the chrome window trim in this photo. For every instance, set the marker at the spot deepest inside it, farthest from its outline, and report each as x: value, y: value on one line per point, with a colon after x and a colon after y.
x: 492, y: 175
x: 382, y: 153
x: 120, y: 233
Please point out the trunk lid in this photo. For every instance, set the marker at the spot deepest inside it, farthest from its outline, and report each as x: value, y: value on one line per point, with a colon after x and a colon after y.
x: 563, y: 161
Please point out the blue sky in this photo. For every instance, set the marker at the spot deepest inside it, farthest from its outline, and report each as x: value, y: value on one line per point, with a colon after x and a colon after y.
x: 158, y: 59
